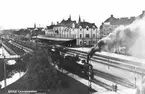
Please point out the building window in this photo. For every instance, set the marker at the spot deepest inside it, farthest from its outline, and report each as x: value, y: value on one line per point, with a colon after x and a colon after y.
x: 93, y: 35
x: 89, y: 42
x: 80, y: 42
x: 85, y: 43
x: 87, y: 28
x: 80, y: 35
x: 87, y: 35
x: 56, y: 31
x: 94, y: 28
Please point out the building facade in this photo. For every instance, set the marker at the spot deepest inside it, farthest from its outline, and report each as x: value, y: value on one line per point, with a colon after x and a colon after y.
x: 110, y: 24
x: 86, y: 34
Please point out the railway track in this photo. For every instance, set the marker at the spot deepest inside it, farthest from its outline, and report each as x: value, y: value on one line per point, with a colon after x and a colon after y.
x: 106, y: 62
x: 115, y: 79
x: 26, y: 49
x: 102, y: 84
x: 119, y: 80
x: 117, y: 63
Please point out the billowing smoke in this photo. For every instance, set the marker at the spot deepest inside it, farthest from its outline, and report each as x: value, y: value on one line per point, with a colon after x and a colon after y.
x: 132, y: 37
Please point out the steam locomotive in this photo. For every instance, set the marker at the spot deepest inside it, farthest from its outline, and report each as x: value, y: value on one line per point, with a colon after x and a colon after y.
x: 71, y: 63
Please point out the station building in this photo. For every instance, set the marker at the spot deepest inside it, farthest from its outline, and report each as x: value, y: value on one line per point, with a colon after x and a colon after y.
x: 85, y: 33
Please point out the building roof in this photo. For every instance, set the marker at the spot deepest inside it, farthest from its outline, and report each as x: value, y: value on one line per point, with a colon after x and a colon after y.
x: 123, y: 21
x: 40, y: 28
x: 110, y: 19
x: 119, y: 21
x: 50, y: 27
x: 85, y: 24
x: 69, y: 23
x: 31, y: 28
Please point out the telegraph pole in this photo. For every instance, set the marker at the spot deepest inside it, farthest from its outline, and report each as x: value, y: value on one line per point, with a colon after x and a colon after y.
x: 135, y: 75
x: 83, y: 37
x: 90, y: 76
x: 5, y: 84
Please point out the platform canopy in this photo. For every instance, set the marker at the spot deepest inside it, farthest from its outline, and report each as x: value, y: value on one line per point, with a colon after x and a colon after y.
x: 56, y: 40
x: 53, y: 38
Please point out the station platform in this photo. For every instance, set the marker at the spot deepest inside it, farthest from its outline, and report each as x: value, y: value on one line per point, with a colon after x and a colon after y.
x: 129, y: 91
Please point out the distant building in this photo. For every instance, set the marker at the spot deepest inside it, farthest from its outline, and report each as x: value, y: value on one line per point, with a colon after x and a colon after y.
x: 111, y: 23
x: 36, y: 30
x: 86, y: 33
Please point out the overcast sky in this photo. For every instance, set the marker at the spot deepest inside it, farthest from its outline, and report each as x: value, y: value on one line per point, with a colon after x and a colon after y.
x: 24, y: 13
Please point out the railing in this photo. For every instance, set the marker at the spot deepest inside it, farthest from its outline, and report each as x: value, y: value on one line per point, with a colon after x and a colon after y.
x: 127, y: 63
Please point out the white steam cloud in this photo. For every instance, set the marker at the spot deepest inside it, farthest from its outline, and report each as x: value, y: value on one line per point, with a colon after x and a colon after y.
x: 132, y: 37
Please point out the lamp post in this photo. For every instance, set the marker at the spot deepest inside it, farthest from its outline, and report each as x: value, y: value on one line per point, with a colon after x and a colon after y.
x: 83, y: 38
x: 91, y: 37
x: 90, y: 76
x: 135, y: 75
x: 96, y: 35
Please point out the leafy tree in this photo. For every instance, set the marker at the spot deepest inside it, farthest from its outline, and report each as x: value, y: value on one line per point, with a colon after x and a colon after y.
x: 41, y: 74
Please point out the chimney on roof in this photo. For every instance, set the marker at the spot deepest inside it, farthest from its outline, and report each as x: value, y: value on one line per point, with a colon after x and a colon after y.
x: 83, y: 20
x: 69, y: 17
x: 57, y: 23
x: 51, y: 23
x: 101, y: 26
x: 34, y: 25
x: 111, y: 15
x: 143, y: 14
x: 79, y: 19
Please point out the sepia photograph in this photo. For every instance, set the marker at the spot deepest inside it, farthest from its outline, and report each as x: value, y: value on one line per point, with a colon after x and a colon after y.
x: 72, y: 47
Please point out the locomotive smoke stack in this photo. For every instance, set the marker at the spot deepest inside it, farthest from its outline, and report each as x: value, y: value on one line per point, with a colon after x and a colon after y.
x: 92, y: 51
x: 96, y: 48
